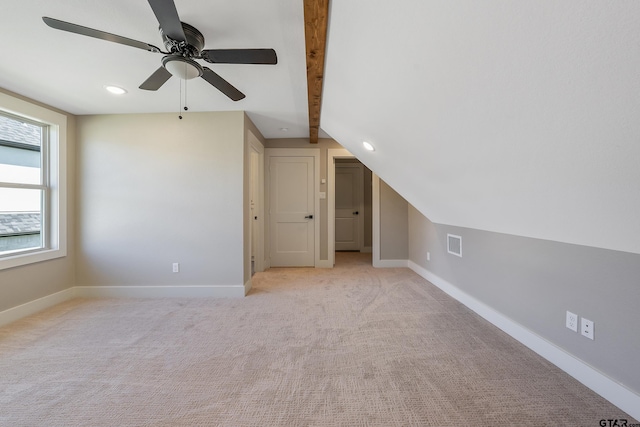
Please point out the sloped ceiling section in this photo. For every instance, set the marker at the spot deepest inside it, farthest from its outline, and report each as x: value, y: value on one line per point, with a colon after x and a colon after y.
x: 514, y: 117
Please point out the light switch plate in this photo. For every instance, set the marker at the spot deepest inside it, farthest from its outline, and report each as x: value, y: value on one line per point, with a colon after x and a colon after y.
x: 572, y: 321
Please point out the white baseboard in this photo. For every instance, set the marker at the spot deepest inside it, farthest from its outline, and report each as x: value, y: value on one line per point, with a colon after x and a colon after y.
x: 231, y: 291
x: 390, y: 263
x: 324, y: 263
x: 247, y: 287
x: 32, y: 307
x: 611, y: 390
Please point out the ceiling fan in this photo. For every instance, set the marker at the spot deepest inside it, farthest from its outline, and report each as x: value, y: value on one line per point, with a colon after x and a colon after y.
x: 184, y: 45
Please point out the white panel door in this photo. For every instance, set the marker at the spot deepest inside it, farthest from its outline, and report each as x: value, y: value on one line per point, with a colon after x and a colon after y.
x: 292, y: 207
x: 349, y: 192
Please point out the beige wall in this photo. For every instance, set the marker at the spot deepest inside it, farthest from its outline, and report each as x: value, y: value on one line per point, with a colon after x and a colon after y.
x: 153, y: 190
x: 23, y: 284
x: 394, y: 224
x: 157, y: 190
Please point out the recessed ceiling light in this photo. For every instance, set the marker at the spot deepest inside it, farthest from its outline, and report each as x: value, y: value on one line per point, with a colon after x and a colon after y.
x: 115, y: 90
x: 284, y: 129
x: 368, y: 146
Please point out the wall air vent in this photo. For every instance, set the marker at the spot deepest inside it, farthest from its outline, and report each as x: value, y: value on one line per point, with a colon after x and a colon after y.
x: 454, y: 245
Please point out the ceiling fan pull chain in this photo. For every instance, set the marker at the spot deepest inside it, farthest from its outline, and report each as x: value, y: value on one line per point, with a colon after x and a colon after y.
x: 180, y: 102
x: 185, y: 96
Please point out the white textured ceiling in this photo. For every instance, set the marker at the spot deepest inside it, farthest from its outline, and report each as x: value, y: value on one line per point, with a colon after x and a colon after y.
x: 68, y: 71
x: 520, y: 117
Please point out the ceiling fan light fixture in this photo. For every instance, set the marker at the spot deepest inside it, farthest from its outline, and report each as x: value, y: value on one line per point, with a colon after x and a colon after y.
x: 183, y: 68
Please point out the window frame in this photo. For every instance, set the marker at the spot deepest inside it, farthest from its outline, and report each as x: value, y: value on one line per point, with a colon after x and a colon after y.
x: 53, y: 183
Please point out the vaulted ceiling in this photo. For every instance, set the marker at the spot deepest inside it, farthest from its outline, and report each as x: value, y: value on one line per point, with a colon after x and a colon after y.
x: 515, y: 117
x: 520, y: 117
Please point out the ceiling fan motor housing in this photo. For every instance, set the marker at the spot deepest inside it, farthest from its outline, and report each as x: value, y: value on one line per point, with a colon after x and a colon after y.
x: 194, y: 42
x: 180, y: 63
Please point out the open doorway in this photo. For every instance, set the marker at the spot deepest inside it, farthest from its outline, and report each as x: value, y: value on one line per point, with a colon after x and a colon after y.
x: 350, y: 209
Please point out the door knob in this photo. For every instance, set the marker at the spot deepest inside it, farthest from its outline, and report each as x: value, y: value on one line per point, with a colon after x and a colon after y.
x: 356, y: 213
x: 309, y: 217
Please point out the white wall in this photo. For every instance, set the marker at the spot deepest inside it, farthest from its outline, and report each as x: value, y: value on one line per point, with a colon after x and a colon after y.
x: 516, y: 117
x: 156, y: 190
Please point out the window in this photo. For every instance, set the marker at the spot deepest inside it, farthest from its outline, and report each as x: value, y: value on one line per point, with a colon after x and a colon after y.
x: 23, y: 185
x: 32, y: 183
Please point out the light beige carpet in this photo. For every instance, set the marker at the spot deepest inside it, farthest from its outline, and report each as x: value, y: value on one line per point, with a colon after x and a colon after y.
x: 352, y: 346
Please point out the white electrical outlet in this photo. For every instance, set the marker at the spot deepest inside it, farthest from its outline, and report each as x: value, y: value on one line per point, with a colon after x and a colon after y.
x: 428, y: 256
x: 176, y: 267
x: 586, y: 328
x: 572, y: 321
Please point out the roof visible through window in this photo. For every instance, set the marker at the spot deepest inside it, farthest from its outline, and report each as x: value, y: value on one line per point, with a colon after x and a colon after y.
x: 16, y: 132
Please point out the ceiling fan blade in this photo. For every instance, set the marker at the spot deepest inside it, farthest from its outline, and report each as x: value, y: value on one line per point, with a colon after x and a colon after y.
x: 156, y: 80
x: 85, y: 31
x: 167, y: 14
x: 240, y: 56
x: 221, y: 84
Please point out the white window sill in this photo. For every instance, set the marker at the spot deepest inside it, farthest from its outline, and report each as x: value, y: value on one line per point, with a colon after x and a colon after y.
x: 26, y: 258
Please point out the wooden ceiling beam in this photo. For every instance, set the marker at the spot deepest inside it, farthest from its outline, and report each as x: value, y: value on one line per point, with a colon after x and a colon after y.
x: 316, y: 17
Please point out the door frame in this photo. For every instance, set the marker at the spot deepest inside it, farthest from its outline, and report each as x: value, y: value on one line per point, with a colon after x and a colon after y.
x: 294, y: 152
x: 360, y: 208
x: 256, y: 182
x: 343, y: 153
